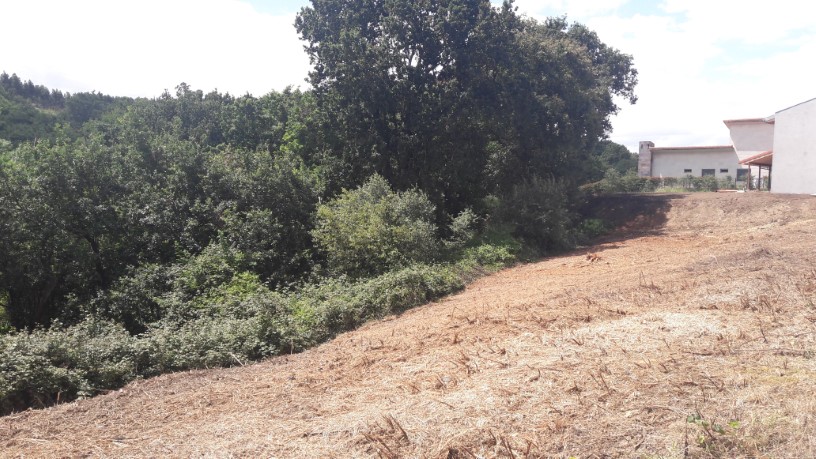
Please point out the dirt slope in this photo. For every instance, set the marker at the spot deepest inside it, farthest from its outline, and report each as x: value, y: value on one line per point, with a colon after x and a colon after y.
x: 702, y: 306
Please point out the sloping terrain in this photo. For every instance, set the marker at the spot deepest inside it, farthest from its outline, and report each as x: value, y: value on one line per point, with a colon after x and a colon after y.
x: 688, y: 333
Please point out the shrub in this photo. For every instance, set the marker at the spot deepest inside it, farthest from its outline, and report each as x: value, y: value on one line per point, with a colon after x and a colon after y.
x: 44, y: 367
x: 592, y: 228
x: 154, y: 292
x: 463, y: 229
x: 631, y: 183
x: 332, y: 306
x: 372, y: 229
x: 669, y: 182
x: 214, y: 266
x: 727, y: 183
x: 612, y: 182
x: 204, y: 324
x: 539, y: 212
x: 649, y: 184
x: 707, y: 183
x: 134, y: 299
x: 211, y: 342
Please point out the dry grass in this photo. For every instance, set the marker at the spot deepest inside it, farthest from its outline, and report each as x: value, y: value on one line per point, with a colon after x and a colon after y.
x: 647, y: 345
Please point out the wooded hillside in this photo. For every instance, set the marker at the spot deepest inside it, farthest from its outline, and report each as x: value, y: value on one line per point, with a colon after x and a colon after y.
x: 440, y: 139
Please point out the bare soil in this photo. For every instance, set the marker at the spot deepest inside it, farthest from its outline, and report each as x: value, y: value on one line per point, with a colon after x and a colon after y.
x: 689, y: 332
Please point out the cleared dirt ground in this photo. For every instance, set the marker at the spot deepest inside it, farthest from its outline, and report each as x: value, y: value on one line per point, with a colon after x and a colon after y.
x: 688, y: 333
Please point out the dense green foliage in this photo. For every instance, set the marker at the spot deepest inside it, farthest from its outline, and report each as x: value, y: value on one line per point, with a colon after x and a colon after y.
x: 441, y: 140
x: 372, y: 229
x: 32, y: 113
x: 614, y: 182
x: 456, y: 97
x: 609, y: 156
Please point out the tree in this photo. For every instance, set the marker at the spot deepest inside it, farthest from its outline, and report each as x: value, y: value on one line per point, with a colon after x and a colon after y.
x: 455, y: 96
x: 608, y: 156
x: 62, y: 232
x: 557, y: 96
x: 399, y: 79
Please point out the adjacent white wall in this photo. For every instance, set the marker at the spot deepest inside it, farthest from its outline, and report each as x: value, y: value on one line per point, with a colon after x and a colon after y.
x: 751, y: 137
x: 672, y: 162
x: 794, y: 162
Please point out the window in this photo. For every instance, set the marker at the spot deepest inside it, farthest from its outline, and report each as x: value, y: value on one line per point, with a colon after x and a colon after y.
x: 707, y: 172
x: 687, y: 171
x: 742, y: 174
x: 723, y: 171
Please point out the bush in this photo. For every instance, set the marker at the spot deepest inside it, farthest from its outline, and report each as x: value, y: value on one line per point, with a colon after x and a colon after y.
x: 592, y: 228
x: 727, y: 183
x: 44, y: 367
x: 463, y: 229
x: 372, y: 229
x: 707, y: 183
x: 613, y: 182
x: 539, y: 212
x: 333, y: 306
x: 134, y: 299
x: 211, y: 342
x: 152, y: 292
x: 204, y: 324
x: 631, y: 183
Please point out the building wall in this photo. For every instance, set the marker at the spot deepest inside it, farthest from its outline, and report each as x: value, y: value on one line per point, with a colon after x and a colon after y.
x: 673, y: 163
x: 751, y: 137
x: 794, y: 162
x: 645, y: 159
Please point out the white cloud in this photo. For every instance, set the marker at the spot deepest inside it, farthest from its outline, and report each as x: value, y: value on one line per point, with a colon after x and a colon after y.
x: 142, y: 48
x: 702, y: 61
x: 747, y: 21
x: 539, y: 8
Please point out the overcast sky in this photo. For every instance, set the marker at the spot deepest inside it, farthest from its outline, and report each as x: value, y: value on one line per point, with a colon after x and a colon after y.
x: 700, y: 61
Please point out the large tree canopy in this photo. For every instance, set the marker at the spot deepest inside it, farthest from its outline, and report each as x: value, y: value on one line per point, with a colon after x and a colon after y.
x: 456, y: 96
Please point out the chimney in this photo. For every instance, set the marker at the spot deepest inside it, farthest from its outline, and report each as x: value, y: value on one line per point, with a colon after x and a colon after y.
x: 645, y: 159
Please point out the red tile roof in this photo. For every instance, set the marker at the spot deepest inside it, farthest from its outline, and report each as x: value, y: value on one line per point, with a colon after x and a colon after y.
x: 760, y: 159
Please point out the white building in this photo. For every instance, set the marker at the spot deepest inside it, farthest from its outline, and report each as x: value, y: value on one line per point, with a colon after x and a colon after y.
x: 794, y: 150
x: 780, y: 149
x: 718, y: 161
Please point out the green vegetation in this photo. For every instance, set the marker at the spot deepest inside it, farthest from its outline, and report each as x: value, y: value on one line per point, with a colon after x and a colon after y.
x: 33, y: 113
x: 372, y: 230
x: 195, y: 230
x: 614, y: 182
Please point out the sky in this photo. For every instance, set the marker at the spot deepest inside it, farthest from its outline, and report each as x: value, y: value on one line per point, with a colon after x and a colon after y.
x: 699, y: 61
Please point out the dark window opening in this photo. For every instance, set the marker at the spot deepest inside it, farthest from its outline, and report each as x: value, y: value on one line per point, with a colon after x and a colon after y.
x: 723, y: 171
x: 707, y: 172
x: 687, y: 171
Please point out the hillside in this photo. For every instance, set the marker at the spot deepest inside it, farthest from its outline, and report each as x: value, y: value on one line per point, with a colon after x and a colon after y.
x: 688, y: 332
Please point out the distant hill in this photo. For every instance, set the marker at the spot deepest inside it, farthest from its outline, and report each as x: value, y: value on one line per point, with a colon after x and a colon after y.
x: 30, y: 112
